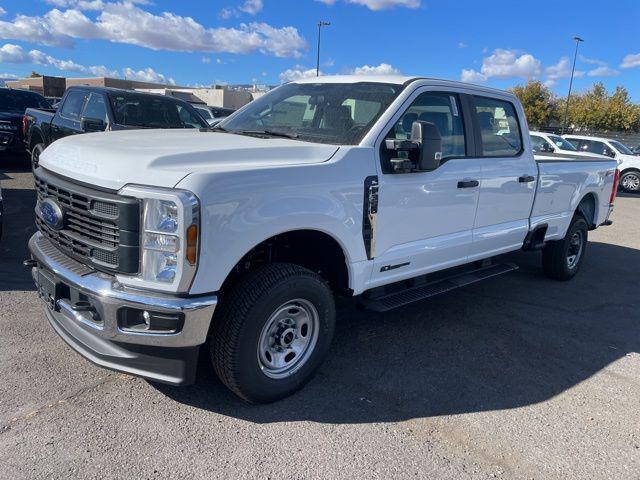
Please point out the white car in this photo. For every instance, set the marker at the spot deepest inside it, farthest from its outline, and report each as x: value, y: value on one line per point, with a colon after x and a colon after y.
x: 629, y: 163
x: 545, y: 143
x: 388, y: 189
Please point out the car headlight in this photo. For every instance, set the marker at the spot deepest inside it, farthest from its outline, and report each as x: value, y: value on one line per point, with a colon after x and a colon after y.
x: 168, y: 238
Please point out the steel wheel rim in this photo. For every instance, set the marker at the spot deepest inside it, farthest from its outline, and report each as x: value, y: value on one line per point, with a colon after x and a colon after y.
x: 631, y: 182
x: 288, y: 338
x: 575, y: 249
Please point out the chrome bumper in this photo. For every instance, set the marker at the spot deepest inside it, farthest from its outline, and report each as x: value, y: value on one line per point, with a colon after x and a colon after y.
x: 165, y: 357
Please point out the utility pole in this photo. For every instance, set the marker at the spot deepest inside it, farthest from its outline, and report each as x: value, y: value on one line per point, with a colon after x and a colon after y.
x: 320, y: 25
x: 573, y: 69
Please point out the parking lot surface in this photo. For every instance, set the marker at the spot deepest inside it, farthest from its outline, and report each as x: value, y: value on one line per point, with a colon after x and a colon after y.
x: 515, y: 377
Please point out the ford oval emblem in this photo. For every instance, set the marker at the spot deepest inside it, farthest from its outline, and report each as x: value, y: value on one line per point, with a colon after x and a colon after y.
x: 51, y: 214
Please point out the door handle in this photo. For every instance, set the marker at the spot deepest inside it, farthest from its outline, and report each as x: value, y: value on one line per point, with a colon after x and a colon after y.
x: 527, y: 179
x: 468, y: 183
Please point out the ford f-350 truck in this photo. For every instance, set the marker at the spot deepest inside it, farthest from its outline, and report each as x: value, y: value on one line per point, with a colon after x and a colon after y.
x: 152, y: 244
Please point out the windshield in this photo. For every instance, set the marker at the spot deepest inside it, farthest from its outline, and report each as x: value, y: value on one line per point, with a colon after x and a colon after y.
x: 18, y: 101
x: 562, y: 144
x: 322, y: 112
x: 621, y: 148
x: 138, y: 110
x: 206, y: 114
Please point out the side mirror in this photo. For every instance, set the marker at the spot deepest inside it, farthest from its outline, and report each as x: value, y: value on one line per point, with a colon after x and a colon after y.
x: 93, y: 125
x: 427, y: 136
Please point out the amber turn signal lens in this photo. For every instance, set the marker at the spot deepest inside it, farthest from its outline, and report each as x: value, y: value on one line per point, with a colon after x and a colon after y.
x: 192, y: 244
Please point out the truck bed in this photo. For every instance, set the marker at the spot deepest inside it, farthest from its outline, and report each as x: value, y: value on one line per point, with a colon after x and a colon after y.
x: 562, y: 183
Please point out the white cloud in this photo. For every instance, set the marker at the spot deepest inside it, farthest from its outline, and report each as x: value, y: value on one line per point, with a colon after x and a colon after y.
x: 297, y: 73
x: 10, y: 53
x: 125, y: 22
x: 147, y: 75
x: 8, y: 76
x: 251, y: 7
x: 630, y: 61
x: 379, y: 4
x: 502, y: 64
x: 2, y: 11
x: 382, y: 69
x: 603, y: 71
x: 462, y: 45
x: 205, y: 60
x: 592, y: 61
x: 562, y: 69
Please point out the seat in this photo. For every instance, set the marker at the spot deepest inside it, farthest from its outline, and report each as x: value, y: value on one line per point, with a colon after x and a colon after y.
x: 338, y: 118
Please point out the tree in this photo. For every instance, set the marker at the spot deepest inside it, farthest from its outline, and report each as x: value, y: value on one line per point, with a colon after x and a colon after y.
x: 35, y: 74
x: 540, y: 105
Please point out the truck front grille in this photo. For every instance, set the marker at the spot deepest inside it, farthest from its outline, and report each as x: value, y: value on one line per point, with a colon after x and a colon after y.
x: 99, y: 228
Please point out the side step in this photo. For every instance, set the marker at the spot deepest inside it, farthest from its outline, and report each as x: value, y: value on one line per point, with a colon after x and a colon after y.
x: 386, y: 302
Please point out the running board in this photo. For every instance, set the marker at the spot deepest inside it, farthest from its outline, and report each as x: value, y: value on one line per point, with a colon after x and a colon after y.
x: 386, y: 302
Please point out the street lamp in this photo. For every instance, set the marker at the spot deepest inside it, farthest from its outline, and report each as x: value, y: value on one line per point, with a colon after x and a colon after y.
x: 320, y: 25
x: 573, y: 69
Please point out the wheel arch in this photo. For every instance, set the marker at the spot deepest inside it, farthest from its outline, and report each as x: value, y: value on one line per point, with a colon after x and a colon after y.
x: 588, y: 209
x: 312, y: 248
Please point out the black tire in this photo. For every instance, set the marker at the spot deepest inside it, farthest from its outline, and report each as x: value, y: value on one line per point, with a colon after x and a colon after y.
x: 37, y: 149
x: 556, y: 255
x: 243, y: 314
x: 630, y: 181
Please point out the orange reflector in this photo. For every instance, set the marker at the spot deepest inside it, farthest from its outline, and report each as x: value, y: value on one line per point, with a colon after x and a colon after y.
x: 192, y: 244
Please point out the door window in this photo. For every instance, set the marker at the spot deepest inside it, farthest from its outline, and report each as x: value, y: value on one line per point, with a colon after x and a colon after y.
x: 73, y: 104
x: 499, y: 127
x: 539, y: 144
x: 594, y: 146
x: 441, y: 109
x: 96, y: 108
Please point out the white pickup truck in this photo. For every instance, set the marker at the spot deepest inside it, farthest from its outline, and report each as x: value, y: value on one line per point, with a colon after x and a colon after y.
x: 152, y: 244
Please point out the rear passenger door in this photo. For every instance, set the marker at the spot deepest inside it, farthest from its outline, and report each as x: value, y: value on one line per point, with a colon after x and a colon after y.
x: 508, y: 178
x: 67, y: 119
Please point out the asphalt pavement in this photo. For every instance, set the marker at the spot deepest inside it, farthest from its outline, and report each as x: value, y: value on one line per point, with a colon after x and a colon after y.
x: 515, y: 377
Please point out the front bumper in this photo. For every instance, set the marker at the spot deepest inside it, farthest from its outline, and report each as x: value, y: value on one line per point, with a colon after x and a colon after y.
x: 96, y: 330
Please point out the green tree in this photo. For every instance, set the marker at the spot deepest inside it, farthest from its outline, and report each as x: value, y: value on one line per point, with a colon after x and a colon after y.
x: 539, y: 103
x: 35, y: 74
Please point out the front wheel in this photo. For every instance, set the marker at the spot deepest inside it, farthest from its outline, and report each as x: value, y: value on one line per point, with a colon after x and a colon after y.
x: 272, y: 332
x: 35, y: 155
x: 561, y: 259
x: 630, y: 181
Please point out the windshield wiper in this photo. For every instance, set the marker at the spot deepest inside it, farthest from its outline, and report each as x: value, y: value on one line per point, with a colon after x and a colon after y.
x: 270, y: 133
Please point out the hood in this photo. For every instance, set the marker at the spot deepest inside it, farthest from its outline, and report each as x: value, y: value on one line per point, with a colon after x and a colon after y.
x: 164, y: 157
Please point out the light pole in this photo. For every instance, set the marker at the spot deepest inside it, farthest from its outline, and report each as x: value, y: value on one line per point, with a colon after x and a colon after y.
x: 573, y: 69
x: 320, y: 25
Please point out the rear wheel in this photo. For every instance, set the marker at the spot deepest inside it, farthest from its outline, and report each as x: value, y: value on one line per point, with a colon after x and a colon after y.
x: 561, y: 259
x: 630, y: 181
x: 272, y: 332
x: 35, y: 155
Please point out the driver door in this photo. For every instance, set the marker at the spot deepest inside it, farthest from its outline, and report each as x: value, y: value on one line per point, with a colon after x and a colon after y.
x: 425, y: 220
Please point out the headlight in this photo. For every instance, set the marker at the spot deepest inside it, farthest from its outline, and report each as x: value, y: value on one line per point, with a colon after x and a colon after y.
x: 168, y: 238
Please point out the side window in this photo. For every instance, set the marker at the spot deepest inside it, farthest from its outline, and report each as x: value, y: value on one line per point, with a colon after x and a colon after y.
x: 73, y: 104
x: 441, y: 109
x: 96, y: 108
x: 499, y: 127
x: 537, y: 144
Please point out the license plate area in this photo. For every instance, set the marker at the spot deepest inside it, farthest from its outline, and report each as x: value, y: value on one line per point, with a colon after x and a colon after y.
x: 49, y: 288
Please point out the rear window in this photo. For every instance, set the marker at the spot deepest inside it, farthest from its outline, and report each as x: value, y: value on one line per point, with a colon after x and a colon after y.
x: 17, y: 101
x: 149, y: 111
x: 499, y: 126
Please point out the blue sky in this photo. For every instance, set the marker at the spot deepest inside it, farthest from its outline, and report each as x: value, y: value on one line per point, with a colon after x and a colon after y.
x: 269, y: 41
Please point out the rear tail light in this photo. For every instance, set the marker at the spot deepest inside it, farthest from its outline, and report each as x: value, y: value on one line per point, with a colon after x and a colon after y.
x: 614, y: 190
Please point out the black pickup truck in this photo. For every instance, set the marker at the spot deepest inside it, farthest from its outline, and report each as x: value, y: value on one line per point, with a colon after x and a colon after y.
x: 13, y: 104
x: 86, y: 109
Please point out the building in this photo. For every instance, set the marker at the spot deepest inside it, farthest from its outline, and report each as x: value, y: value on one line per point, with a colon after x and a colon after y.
x: 45, y: 85
x: 114, y: 83
x: 224, y: 97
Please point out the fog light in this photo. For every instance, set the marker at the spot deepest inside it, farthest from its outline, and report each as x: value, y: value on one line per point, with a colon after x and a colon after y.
x: 144, y: 321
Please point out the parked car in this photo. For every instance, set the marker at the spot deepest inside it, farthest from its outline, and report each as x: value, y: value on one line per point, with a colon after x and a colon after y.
x: 213, y: 115
x: 1, y: 212
x: 629, y: 164
x: 636, y: 150
x: 96, y: 109
x: 13, y: 104
x: 548, y: 143
x: 391, y: 189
